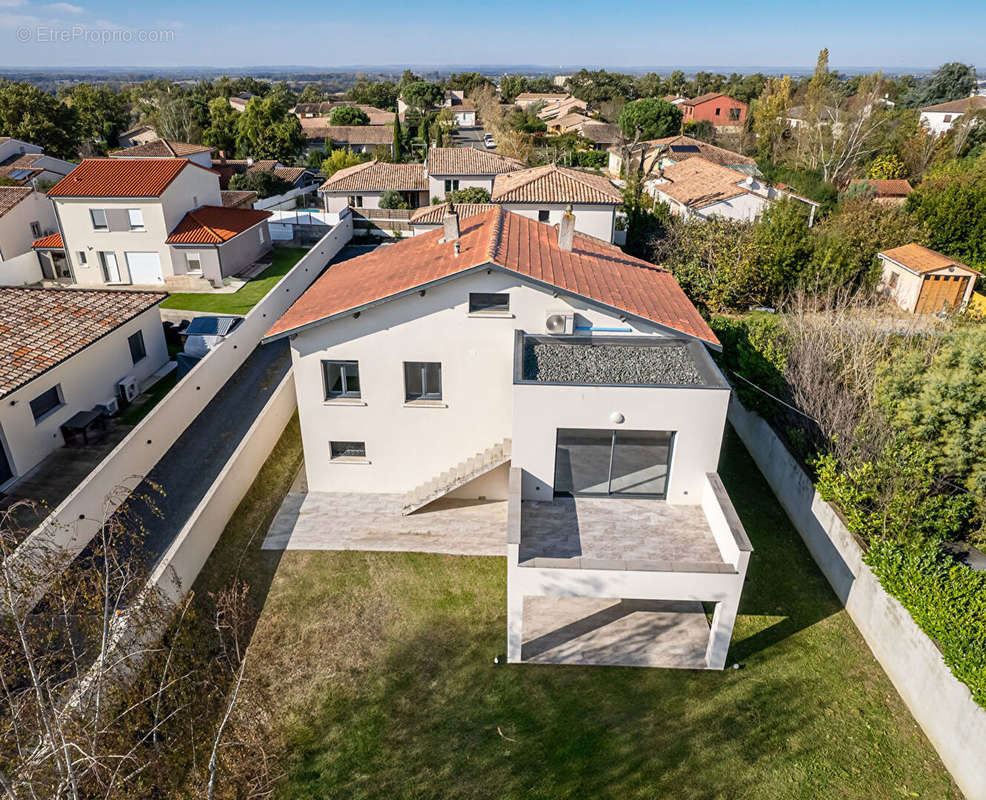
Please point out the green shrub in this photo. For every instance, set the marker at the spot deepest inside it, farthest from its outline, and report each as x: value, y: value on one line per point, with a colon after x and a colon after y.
x: 392, y: 199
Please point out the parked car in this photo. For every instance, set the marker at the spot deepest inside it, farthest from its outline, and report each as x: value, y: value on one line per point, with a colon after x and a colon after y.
x: 488, y: 141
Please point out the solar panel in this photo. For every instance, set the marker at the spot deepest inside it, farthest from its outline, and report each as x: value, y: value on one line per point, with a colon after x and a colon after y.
x: 685, y: 148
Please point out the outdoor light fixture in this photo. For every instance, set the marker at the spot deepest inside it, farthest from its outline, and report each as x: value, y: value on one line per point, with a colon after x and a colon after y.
x: 616, y: 418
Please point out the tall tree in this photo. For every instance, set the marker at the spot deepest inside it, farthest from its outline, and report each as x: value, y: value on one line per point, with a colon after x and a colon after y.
x: 398, y: 140
x: 770, y: 116
x: 102, y: 112
x: 511, y: 86
x: 265, y: 129
x: 312, y: 93
x: 222, y: 129
x: 379, y: 94
x: 951, y: 81
x: 348, y: 115
x: 650, y: 118
x: 34, y: 116
x: 422, y: 95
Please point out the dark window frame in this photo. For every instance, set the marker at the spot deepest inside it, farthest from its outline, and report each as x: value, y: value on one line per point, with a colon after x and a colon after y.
x: 136, y: 342
x: 489, y: 302
x: 344, y: 369
x: 340, y: 450
x: 47, y: 410
x: 544, y: 215
x: 422, y: 368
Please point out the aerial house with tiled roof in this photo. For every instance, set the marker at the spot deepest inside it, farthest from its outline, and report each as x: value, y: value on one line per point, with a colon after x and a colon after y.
x: 118, y: 218
x: 364, y: 185
x: 453, y: 168
x: 924, y: 281
x: 62, y: 354
x: 25, y: 215
x: 200, y: 154
x: 499, y: 359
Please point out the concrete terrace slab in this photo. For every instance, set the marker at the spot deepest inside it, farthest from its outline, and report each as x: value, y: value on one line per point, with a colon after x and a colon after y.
x: 606, y: 632
x: 616, y: 529
x: 348, y: 521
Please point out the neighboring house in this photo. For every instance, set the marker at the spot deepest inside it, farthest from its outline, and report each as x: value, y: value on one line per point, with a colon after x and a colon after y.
x: 238, y: 199
x: 719, y: 109
x: 363, y: 185
x: 939, y: 118
x: 200, y: 154
x: 462, y: 108
x: 924, y: 281
x: 239, y: 101
x: 324, y: 109
x: 298, y: 177
x: 675, y: 99
x: 62, y: 352
x: 559, y: 108
x: 603, y: 135
x: 674, y: 149
x: 697, y: 188
x: 452, y: 168
x: 430, y: 218
x: 355, y: 138
x: 26, y: 163
x: 500, y: 358
x: 525, y: 99
x: 216, y: 242
x: 544, y: 193
x: 887, y: 191
x: 567, y: 123
x: 142, y: 134
x: 116, y: 216
x: 25, y: 215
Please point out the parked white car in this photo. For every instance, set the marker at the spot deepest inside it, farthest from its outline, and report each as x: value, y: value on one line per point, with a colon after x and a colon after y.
x: 488, y: 141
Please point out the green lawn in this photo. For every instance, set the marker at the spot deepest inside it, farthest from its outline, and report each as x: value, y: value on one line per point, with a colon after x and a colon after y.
x: 241, y: 301
x: 381, y: 669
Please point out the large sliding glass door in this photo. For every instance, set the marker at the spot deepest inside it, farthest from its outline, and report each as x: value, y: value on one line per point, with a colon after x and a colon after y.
x: 609, y: 462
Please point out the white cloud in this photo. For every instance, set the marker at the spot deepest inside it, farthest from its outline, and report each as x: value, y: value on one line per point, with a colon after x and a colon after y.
x: 65, y: 8
x: 11, y: 3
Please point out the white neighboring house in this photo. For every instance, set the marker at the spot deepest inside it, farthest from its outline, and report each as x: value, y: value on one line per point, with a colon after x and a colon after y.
x: 200, y: 154
x: 697, y: 188
x: 939, y: 118
x: 525, y: 99
x: 674, y: 149
x: 450, y: 169
x: 544, y: 193
x: 26, y: 163
x: 503, y: 358
x: 25, y: 215
x: 363, y: 185
x: 63, y: 352
x: 925, y: 281
x: 129, y: 221
x: 139, y: 135
x: 462, y: 108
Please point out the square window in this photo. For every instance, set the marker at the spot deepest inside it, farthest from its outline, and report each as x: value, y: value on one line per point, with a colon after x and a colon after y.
x: 422, y: 380
x: 137, y: 350
x: 544, y: 215
x: 136, y: 218
x: 734, y: 114
x: 82, y: 258
x: 341, y: 379
x: 193, y: 262
x: 46, y: 403
x: 339, y: 450
x: 452, y: 185
x: 948, y: 118
x: 481, y: 301
x: 98, y: 216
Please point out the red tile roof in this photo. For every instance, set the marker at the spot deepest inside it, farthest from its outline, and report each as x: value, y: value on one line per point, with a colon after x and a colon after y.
x: 921, y: 259
x: 554, y: 184
x: 889, y: 187
x: 121, y: 177
x: 697, y: 183
x: 593, y: 269
x: 40, y: 328
x: 10, y: 196
x: 53, y: 241
x: 975, y: 103
x: 433, y: 215
x: 161, y: 148
x: 215, y: 224
x: 378, y: 176
x: 469, y: 161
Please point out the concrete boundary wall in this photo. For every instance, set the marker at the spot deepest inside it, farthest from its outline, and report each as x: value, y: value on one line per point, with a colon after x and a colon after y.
x: 71, y: 526
x: 942, y: 705
x: 181, y: 563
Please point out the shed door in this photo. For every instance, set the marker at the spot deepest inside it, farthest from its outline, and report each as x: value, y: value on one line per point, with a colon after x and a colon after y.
x: 939, y: 292
x: 145, y: 267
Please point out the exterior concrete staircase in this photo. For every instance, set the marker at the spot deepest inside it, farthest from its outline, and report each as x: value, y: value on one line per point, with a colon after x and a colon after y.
x: 459, y: 475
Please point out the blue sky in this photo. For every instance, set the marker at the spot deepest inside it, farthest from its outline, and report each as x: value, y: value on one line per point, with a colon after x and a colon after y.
x: 888, y: 33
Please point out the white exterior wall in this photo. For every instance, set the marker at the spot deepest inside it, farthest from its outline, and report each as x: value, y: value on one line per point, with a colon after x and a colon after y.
x: 334, y: 202
x: 696, y: 415
x: 907, y: 292
x: 15, y: 147
x: 436, y: 183
x: 934, y: 121
x: 464, y: 119
x: 193, y: 187
x: 407, y: 445
x: 87, y: 379
x: 594, y: 220
x: 15, y: 230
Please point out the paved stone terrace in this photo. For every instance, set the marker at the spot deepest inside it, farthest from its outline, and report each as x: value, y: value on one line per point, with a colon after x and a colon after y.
x: 616, y: 529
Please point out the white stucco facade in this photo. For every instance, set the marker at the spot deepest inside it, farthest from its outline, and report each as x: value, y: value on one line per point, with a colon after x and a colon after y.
x: 593, y: 219
x: 939, y: 122
x: 18, y: 262
x: 85, y: 380
x: 440, y: 185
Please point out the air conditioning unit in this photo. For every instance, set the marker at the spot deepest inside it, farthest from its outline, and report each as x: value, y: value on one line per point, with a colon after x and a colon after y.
x: 112, y: 406
x: 127, y: 389
x: 560, y: 323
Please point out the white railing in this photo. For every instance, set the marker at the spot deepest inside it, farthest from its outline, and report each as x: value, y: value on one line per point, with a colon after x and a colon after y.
x: 72, y: 525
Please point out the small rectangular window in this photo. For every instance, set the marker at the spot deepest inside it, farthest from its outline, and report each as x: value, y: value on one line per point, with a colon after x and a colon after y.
x: 947, y: 118
x: 893, y: 280
x: 339, y: 450
x: 481, y: 301
x: 98, y: 216
x: 193, y: 263
x: 452, y: 185
x: 544, y: 215
x: 46, y: 402
x: 35, y: 230
x: 82, y: 258
x: 137, y: 350
x: 136, y: 218
x: 734, y: 114
x: 717, y: 111
x: 422, y: 380
x: 341, y: 379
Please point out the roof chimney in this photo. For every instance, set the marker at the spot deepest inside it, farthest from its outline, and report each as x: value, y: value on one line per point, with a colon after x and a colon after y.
x: 566, y: 230
x: 451, y: 223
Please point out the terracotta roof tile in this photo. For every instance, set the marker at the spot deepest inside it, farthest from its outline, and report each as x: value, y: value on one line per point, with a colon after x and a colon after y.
x: 40, y: 328
x: 377, y: 115
x: 10, y: 196
x: 215, y: 224
x: 554, y: 184
x: 352, y: 134
x: 161, y: 148
x: 921, y: 259
x: 710, y: 152
x: 376, y: 176
x: 961, y: 106
x: 433, y: 215
x: 888, y: 187
x: 233, y: 198
x: 469, y: 161
x: 121, y: 177
x: 53, y: 241
x: 593, y: 269
x: 697, y: 182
